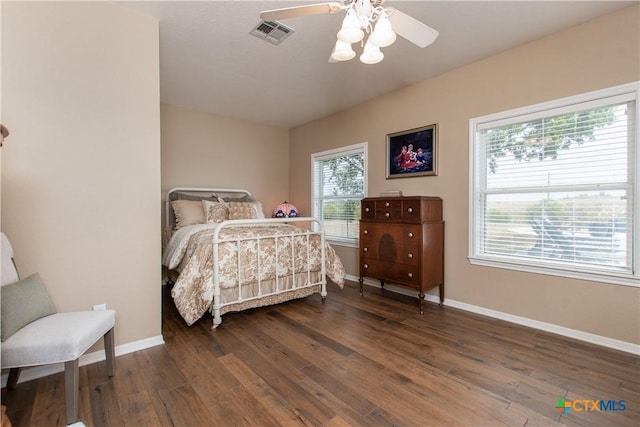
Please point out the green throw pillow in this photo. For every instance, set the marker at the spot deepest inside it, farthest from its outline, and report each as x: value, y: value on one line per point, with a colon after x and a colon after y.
x: 22, y: 303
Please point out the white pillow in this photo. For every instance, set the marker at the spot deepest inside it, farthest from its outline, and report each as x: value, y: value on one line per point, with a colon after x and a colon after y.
x: 188, y: 212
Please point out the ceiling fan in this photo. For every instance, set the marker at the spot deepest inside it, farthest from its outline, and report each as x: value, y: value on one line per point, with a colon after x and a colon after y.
x: 363, y: 17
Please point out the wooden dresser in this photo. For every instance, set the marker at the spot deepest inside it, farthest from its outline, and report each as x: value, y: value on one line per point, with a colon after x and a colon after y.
x: 402, y: 242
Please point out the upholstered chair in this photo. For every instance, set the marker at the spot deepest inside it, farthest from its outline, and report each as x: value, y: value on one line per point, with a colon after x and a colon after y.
x: 34, y: 334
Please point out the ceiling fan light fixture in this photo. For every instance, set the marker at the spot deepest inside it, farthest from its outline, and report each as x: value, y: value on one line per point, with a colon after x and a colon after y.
x: 383, y: 35
x: 350, y: 31
x: 371, y: 54
x: 381, y: 24
x: 342, y: 51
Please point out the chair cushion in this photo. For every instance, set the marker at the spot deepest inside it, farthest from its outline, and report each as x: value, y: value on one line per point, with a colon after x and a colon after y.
x: 60, y: 337
x: 22, y: 303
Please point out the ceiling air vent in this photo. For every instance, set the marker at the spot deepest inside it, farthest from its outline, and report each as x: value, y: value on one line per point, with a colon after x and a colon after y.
x: 272, y: 31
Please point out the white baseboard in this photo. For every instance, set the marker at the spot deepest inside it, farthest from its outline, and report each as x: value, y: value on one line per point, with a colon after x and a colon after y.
x: 29, y: 374
x: 524, y: 321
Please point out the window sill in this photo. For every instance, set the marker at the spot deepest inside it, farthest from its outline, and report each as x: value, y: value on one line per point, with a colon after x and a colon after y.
x: 342, y: 242
x: 611, y: 278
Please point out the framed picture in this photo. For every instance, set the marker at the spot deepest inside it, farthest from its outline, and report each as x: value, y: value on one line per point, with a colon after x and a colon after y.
x: 413, y: 152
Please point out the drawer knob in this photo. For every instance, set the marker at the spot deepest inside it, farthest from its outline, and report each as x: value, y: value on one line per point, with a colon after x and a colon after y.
x: 410, y: 275
x: 386, y: 204
x: 366, y: 265
x: 365, y: 249
x: 410, y: 256
x: 410, y: 234
x: 387, y: 214
x: 366, y: 231
x: 410, y: 210
x: 366, y: 209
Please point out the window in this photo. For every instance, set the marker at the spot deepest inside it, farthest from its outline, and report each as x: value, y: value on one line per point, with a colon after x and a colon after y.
x: 554, y: 187
x: 339, y: 183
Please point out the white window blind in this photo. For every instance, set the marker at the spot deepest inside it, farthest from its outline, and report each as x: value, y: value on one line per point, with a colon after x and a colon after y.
x: 554, y: 188
x: 339, y: 181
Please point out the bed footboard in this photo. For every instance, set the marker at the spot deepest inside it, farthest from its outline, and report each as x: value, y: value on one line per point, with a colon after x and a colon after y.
x: 283, y: 284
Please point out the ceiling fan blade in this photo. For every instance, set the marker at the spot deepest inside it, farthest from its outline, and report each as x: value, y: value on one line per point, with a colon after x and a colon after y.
x: 411, y: 29
x: 293, y: 12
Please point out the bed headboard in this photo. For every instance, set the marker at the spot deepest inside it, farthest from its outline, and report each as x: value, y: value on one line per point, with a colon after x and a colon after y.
x: 200, y: 193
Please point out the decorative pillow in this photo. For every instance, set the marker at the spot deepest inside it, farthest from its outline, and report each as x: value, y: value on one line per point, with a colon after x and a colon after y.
x: 22, y: 303
x: 215, y: 211
x: 245, y: 210
x: 245, y: 198
x: 188, y: 212
x: 182, y: 196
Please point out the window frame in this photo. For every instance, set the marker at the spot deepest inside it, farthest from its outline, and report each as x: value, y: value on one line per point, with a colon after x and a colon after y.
x: 620, y: 93
x: 361, y: 147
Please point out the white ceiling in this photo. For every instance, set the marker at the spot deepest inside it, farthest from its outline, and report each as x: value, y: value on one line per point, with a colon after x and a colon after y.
x: 209, y: 62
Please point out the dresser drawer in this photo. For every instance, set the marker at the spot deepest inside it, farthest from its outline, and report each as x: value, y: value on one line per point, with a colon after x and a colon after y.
x: 391, y: 272
x: 381, y: 251
x: 368, y: 209
x: 402, y: 234
x: 411, y: 210
x: 388, y: 213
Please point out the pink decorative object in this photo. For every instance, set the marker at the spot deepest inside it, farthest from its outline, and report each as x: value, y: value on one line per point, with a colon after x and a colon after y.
x: 285, y: 210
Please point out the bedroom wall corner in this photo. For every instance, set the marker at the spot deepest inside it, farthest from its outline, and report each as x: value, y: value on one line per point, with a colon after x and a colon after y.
x: 201, y: 149
x: 81, y: 177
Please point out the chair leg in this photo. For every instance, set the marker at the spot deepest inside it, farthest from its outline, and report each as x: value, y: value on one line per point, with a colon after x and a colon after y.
x: 110, y: 353
x: 71, y: 374
x: 12, y: 380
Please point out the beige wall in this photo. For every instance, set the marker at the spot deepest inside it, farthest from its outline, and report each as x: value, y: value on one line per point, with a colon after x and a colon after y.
x: 204, y: 150
x: 596, y: 55
x: 81, y: 170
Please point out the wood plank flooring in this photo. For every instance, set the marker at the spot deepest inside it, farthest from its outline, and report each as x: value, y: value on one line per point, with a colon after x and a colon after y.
x: 352, y: 361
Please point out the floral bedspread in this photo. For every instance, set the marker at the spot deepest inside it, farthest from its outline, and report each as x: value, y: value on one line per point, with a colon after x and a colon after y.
x: 191, y: 251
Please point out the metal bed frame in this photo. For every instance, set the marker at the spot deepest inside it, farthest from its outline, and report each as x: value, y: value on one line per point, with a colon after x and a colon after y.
x: 279, y: 294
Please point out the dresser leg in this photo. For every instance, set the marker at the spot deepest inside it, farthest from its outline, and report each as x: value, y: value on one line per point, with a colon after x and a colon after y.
x: 441, y: 286
x: 421, y: 302
x: 361, y: 280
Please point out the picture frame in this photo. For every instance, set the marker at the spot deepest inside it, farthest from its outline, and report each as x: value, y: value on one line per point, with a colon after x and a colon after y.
x: 413, y: 152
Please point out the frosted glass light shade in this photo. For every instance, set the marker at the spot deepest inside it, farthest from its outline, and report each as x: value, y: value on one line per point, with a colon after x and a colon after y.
x: 350, y: 31
x: 383, y: 35
x: 342, y: 51
x: 371, y: 54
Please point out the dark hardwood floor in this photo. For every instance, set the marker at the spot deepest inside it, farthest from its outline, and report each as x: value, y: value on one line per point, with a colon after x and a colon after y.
x: 352, y: 361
